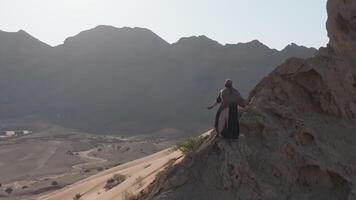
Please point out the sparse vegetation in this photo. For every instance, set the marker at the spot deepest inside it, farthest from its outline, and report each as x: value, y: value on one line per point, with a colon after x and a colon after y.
x: 114, y: 181
x: 126, y: 149
x: 24, y: 187
x: 54, y: 183
x: 77, y: 196
x: 147, y: 166
x: 9, y: 190
x: 87, y: 170
x: 188, y: 145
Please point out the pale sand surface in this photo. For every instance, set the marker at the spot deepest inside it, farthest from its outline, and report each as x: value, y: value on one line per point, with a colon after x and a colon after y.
x: 139, y: 173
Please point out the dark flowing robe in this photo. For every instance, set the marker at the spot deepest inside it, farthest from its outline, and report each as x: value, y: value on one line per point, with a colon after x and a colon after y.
x: 227, y: 117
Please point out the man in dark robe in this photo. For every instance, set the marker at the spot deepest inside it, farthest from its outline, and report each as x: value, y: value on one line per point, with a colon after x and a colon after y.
x: 227, y: 120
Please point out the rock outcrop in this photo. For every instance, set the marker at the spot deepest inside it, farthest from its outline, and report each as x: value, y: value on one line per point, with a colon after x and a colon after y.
x: 299, y: 134
x: 341, y: 26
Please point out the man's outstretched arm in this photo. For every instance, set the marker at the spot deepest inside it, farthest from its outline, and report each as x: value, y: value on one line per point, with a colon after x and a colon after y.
x: 212, y: 105
x: 218, y: 100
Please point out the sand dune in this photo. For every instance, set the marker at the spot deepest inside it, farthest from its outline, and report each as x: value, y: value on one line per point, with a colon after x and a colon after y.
x: 139, y: 174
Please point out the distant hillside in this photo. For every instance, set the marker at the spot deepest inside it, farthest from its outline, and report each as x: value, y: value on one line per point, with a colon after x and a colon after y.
x: 22, y: 88
x: 108, y: 78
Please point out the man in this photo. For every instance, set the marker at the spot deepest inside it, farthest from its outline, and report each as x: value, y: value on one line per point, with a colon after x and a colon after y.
x: 226, y: 120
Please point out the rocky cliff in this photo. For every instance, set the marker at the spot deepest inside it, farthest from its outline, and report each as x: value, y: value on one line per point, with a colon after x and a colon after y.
x: 341, y: 26
x: 298, y: 136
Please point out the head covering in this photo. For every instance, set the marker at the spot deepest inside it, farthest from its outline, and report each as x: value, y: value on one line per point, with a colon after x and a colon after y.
x: 228, y: 83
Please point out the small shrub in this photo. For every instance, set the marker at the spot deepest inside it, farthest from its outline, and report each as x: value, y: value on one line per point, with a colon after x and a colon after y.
x: 87, y: 170
x: 188, y: 145
x: 110, y: 180
x: 0, y: 185
x: 54, y: 183
x: 100, y: 169
x: 9, y: 190
x: 115, y: 180
x: 24, y: 187
x: 126, y: 149
x: 77, y: 196
x: 119, y: 177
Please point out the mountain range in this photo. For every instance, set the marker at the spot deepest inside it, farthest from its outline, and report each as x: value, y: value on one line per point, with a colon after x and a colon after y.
x: 107, y: 78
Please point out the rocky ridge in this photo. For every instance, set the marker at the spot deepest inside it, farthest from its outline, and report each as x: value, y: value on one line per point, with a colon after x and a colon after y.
x: 86, y: 82
x: 298, y: 136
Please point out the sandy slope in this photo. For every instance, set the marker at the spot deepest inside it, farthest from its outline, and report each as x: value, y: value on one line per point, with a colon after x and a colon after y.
x: 144, y: 169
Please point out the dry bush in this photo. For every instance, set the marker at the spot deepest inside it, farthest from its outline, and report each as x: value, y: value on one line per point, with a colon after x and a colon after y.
x: 77, y: 196
x: 189, y: 144
x: 9, y: 190
x: 115, y: 180
x: 147, y: 166
x: 54, y: 183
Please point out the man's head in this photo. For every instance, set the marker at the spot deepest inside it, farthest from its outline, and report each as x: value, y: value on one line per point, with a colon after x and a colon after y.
x: 228, y: 83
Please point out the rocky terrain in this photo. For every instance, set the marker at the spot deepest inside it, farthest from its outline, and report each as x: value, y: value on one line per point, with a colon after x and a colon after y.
x: 298, y: 136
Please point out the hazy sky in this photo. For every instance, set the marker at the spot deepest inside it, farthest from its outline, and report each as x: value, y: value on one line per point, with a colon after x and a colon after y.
x: 273, y: 22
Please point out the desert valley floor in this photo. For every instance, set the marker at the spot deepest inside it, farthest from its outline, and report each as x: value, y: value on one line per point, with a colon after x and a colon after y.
x: 52, y: 157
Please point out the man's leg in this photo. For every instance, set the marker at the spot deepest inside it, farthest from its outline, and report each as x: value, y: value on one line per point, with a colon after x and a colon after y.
x: 217, y: 116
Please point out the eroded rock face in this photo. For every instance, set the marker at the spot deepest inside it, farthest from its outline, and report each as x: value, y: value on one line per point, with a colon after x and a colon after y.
x: 323, y: 84
x: 299, y: 138
x: 341, y: 25
x: 284, y: 154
